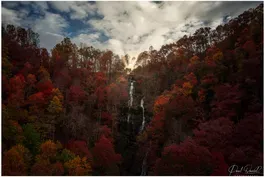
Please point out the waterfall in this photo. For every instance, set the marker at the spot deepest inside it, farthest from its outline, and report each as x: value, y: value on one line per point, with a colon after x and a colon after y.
x: 130, y: 102
x: 144, y: 165
x: 142, y: 106
x: 131, y: 94
x: 128, y: 117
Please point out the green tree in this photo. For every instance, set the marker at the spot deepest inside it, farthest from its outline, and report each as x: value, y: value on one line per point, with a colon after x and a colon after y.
x: 32, y: 138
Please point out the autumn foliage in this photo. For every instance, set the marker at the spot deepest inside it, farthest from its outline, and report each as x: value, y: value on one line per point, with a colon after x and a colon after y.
x: 16, y: 161
x: 199, y: 100
x: 104, y: 154
x: 180, y: 159
x: 78, y: 167
x: 197, y: 127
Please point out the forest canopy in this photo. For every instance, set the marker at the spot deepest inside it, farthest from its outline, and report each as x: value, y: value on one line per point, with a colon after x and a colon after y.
x: 193, y: 107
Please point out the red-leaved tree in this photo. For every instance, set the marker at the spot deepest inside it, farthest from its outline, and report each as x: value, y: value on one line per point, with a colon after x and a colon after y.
x: 187, y: 158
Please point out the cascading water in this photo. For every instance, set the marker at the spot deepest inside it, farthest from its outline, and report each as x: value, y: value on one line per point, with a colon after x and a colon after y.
x: 131, y: 94
x: 144, y: 165
x: 128, y: 117
x: 130, y: 103
x: 143, y: 122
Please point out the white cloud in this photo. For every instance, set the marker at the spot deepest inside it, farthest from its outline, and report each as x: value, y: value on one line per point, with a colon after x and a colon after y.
x: 10, y: 16
x: 131, y: 27
x: 49, y: 26
x: 116, y: 46
x: 137, y: 25
x: 49, y: 40
x: 134, y: 26
x: 40, y: 5
x: 61, y: 6
x: 50, y: 23
x: 89, y: 39
x: 76, y: 10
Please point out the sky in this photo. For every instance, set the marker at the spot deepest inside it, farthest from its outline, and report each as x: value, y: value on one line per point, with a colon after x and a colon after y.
x: 124, y: 27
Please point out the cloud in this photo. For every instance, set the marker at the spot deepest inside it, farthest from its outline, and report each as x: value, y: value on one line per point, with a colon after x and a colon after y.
x: 61, y: 6
x: 50, y: 23
x: 76, y: 10
x: 51, y: 29
x: 123, y: 27
x: 116, y: 46
x: 10, y: 4
x: 10, y: 16
x: 89, y: 39
x: 40, y: 6
x: 134, y: 26
x: 49, y: 26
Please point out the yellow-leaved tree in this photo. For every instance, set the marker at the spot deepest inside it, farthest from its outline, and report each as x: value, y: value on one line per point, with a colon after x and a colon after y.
x: 16, y: 161
x: 78, y: 167
x: 55, y: 106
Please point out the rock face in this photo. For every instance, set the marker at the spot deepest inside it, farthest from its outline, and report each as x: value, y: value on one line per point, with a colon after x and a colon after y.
x: 132, y: 120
